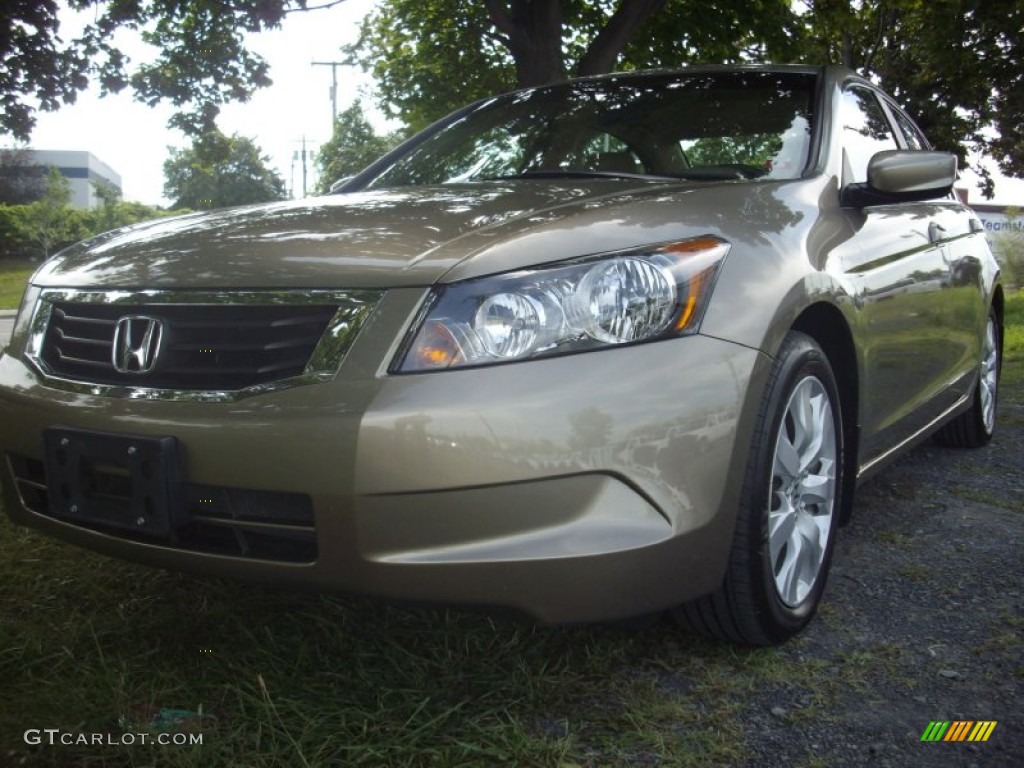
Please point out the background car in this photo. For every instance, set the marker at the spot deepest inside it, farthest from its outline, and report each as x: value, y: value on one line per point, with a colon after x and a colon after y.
x: 586, y: 352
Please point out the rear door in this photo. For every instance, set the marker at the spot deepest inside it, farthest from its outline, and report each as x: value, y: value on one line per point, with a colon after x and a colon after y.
x: 962, y: 236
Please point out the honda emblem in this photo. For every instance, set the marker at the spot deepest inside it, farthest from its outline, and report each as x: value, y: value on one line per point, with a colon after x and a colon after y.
x: 137, y: 343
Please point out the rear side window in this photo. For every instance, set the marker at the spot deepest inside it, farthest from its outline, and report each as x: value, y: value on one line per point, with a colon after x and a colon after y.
x: 911, y: 133
x: 865, y: 132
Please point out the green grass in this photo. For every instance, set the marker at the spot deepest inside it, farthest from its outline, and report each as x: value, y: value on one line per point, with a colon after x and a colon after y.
x: 293, y: 679
x: 1013, y: 335
x: 14, y: 274
x: 89, y: 644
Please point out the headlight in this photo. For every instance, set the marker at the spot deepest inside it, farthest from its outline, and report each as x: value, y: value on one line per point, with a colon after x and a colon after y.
x: 616, y: 298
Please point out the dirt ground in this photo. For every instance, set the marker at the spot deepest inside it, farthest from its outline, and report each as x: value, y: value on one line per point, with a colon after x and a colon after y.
x: 923, y: 620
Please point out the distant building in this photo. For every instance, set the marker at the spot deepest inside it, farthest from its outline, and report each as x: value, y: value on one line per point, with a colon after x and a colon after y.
x: 999, y: 224
x: 81, y: 169
x: 995, y: 219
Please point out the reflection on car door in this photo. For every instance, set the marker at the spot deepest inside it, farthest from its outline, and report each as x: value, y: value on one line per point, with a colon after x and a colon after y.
x: 913, y: 341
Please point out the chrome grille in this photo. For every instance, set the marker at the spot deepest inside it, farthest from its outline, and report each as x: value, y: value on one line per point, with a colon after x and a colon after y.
x: 212, y: 343
x: 204, y: 347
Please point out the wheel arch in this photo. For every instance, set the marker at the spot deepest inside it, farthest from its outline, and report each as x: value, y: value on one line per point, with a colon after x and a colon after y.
x: 826, y: 324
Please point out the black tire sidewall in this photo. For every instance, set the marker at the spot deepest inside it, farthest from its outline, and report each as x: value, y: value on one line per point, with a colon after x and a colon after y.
x: 799, y: 357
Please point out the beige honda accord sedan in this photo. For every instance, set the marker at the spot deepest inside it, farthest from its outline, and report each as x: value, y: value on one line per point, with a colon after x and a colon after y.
x: 583, y: 352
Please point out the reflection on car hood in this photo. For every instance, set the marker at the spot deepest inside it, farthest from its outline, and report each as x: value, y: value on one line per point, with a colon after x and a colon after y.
x: 386, y: 238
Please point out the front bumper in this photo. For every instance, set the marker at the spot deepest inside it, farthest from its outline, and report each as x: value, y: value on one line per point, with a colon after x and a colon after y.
x: 582, y: 488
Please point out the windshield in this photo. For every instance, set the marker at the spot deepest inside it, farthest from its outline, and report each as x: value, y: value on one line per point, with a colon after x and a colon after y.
x: 711, y: 126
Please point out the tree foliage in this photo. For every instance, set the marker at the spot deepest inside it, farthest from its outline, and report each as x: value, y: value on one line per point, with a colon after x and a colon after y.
x: 36, y: 64
x: 219, y: 171
x: 41, y: 228
x: 114, y: 212
x: 429, y: 57
x: 354, y: 144
x: 953, y: 63
x: 21, y: 179
x: 201, y: 56
x: 46, y: 221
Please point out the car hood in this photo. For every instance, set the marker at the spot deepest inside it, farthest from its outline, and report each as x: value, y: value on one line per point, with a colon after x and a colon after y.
x: 378, y: 239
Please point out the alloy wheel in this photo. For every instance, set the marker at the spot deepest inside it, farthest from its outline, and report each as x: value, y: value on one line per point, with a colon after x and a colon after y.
x: 989, y: 379
x: 803, y: 491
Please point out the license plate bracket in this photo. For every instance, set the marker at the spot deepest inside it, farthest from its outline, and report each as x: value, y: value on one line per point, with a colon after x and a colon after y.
x: 121, y: 481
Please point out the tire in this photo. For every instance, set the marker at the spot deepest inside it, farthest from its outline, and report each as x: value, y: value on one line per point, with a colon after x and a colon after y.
x: 793, y: 489
x: 974, y: 427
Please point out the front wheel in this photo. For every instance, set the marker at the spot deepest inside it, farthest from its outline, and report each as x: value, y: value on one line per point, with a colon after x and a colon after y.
x: 786, y: 523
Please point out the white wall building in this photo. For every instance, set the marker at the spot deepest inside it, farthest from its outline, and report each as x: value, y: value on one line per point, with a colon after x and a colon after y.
x: 995, y: 219
x: 81, y: 169
x: 1001, y: 228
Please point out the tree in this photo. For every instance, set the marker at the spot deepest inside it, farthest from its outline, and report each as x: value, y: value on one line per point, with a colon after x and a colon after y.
x: 50, y: 222
x: 532, y: 30
x: 219, y: 171
x: 353, y: 145
x: 953, y: 63
x: 113, y: 212
x: 21, y: 179
x: 42, y: 227
x: 202, y: 59
x: 413, y: 46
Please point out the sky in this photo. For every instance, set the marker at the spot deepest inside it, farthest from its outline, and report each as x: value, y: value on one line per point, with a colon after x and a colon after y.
x: 133, y: 139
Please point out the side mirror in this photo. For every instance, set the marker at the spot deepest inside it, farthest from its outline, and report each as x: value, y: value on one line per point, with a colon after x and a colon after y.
x: 902, y: 176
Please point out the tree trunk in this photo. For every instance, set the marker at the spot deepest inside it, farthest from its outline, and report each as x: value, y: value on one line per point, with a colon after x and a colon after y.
x: 533, y: 29
x: 604, y: 50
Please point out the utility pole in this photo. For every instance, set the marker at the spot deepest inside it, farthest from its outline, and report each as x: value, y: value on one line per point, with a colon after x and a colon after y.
x: 334, y: 85
x: 303, y: 166
x: 303, y: 156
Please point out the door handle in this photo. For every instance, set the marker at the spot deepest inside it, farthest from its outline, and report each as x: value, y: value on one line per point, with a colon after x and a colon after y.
x: 936, y: 232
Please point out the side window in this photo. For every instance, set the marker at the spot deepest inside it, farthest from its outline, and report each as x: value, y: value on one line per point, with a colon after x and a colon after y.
x: 865, y: 132
x: 911, y: 133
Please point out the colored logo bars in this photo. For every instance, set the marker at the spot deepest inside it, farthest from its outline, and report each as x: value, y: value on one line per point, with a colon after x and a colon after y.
x: 958, y: 730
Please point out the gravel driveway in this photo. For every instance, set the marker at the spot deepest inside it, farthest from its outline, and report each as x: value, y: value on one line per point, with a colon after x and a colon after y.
x: 922, y: 620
